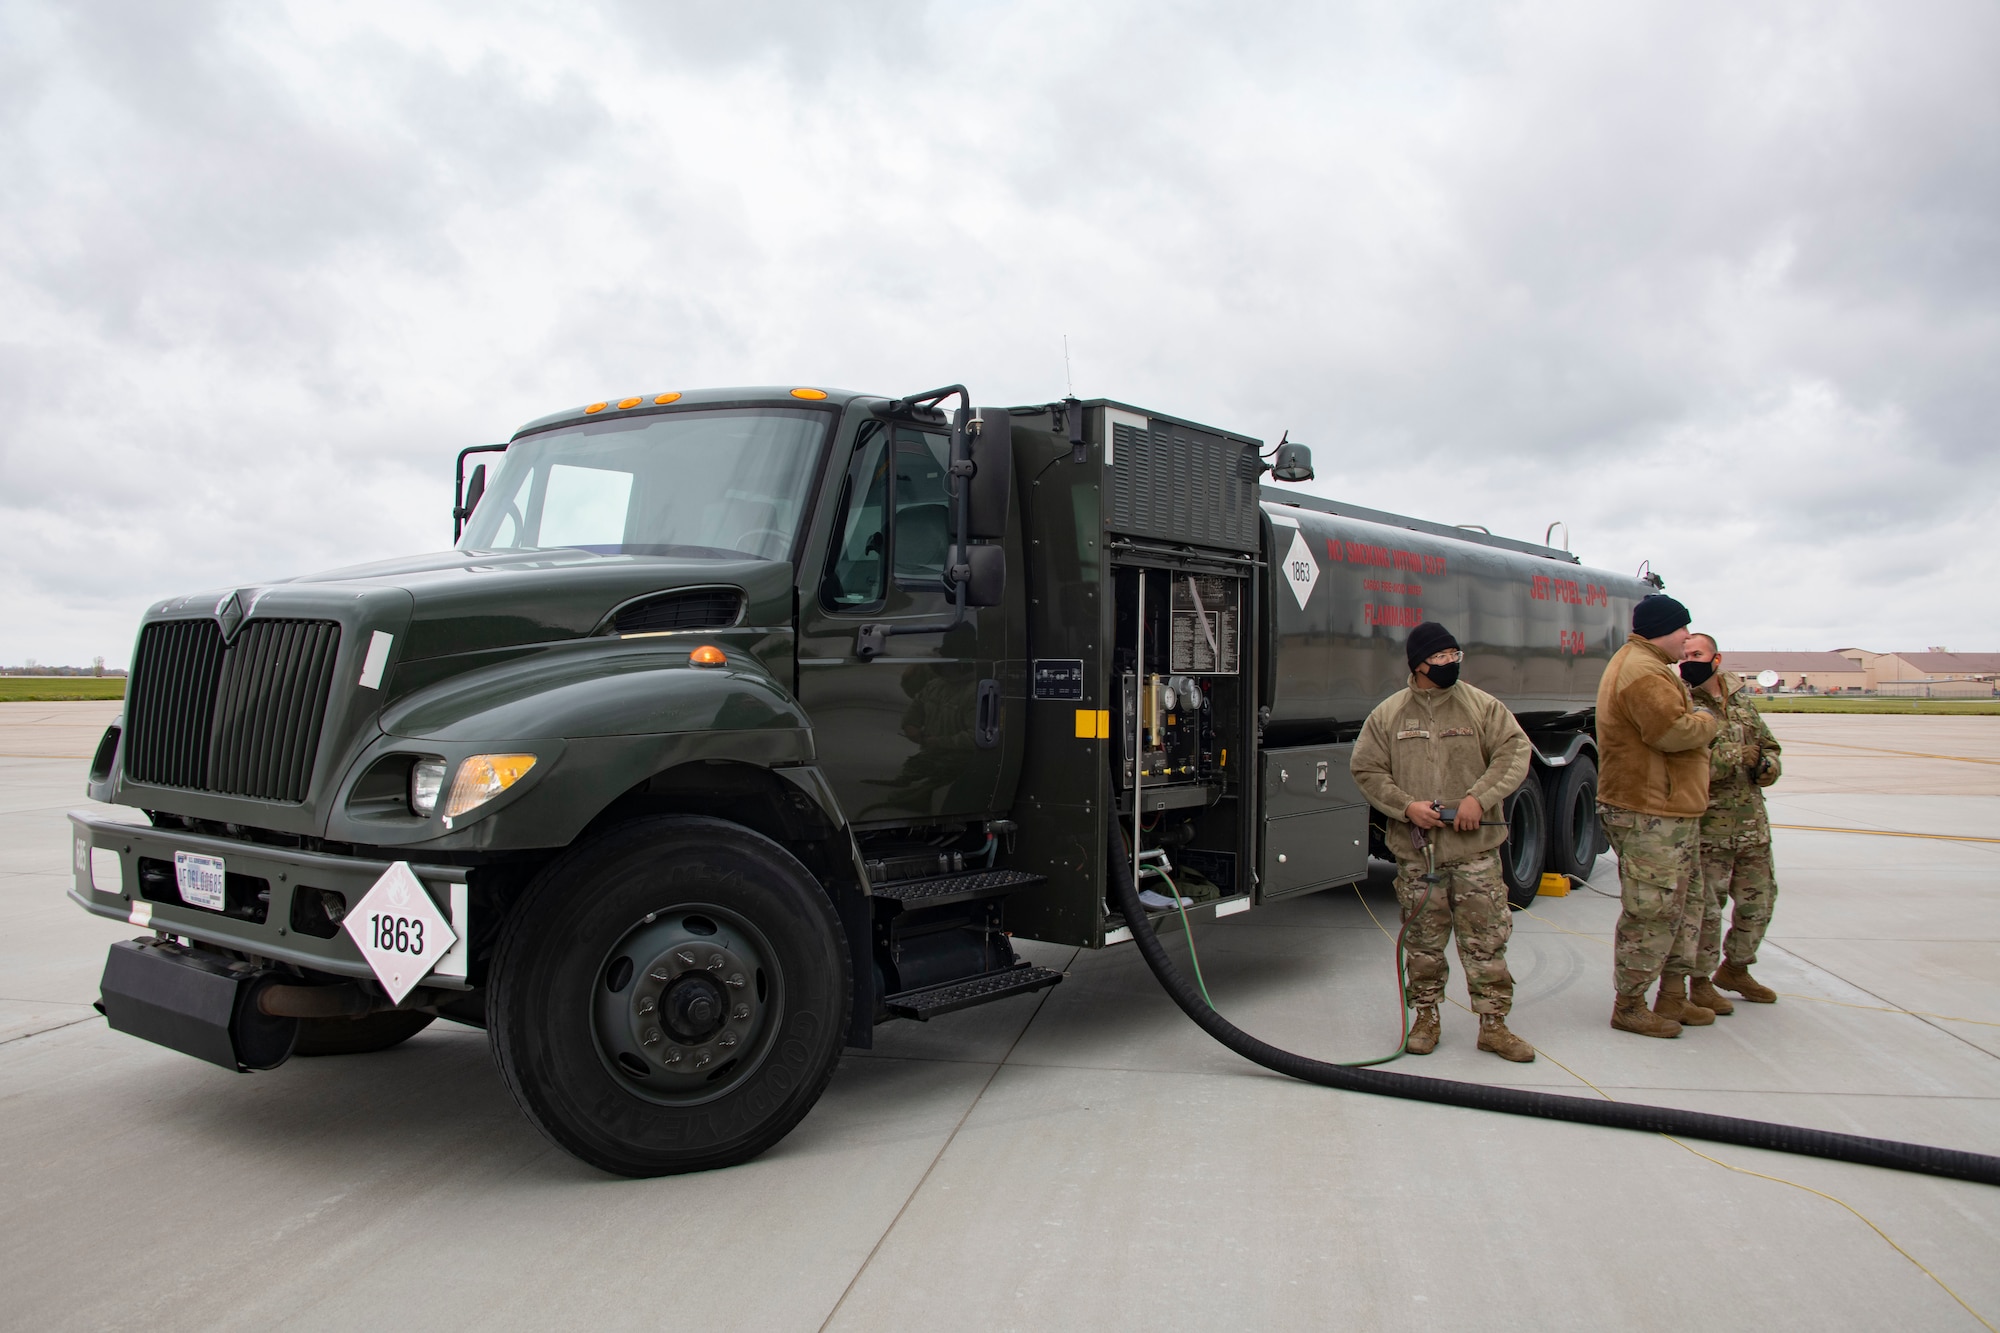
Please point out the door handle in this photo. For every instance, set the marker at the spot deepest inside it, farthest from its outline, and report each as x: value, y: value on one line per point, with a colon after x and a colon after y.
x: 986, y: 728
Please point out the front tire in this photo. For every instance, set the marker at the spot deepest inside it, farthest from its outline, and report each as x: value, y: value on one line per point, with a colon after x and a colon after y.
x: 670, y: 997
x: 1521, y: 856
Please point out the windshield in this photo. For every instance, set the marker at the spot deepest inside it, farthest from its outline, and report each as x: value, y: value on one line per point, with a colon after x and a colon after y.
x: 720, y: 484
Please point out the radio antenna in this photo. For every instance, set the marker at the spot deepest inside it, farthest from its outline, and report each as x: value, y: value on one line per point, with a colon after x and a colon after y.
x: 1068, y: 378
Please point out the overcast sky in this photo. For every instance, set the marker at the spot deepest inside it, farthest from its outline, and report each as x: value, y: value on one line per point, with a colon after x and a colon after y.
x: 1716, y: 285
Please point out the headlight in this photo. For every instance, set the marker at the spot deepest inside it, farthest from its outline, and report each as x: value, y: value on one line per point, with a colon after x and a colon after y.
x: 426, y: 781
x: 483, y: 777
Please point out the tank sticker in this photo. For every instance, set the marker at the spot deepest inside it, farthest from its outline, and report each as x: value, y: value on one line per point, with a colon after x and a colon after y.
x: 1545, y: 589
x: 377, y: 658
x: 1409, y: 617
x: 1414, y: 733
x: 1383, y: 557
x: 1301, y: 570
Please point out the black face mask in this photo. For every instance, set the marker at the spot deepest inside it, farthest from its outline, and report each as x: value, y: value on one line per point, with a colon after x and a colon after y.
x: 1697, y: 673
x: 1444, y: 677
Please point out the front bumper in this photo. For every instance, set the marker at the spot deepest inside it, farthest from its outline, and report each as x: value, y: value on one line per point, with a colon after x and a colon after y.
x: 118, y: 895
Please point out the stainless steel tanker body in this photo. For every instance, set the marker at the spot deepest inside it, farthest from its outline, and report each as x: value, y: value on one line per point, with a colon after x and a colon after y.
x: 1344, y: 592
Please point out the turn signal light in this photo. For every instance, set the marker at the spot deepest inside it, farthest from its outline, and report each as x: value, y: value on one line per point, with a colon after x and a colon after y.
x: 666, y: 398
x: 483, y: 777
x: 810, y: 395
x: 707, y: 655
x: 595, y: 407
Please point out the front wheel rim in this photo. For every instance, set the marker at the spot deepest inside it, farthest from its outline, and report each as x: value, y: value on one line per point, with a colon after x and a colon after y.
x: 686, y: 1004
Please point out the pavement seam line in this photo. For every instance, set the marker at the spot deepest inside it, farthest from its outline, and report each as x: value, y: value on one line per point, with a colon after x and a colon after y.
x: 1885, y: 833
x: 1792, y: 995
x: 38, y: 1032
x: 944, y: 1147
x: 1907, y: 754
x: 1746, y: 1171
x: 1955, y: 1036
x: 1759, y: 1174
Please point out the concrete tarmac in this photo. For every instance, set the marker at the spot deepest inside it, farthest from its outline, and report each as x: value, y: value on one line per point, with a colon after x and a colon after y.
x: 1082, y: 1157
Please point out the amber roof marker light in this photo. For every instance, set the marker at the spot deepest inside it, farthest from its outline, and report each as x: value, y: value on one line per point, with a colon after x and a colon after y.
x: 666, y: 398
x: 595, y: 408
x: 629, y: 402
x: 708, y: 655
x: 810, y: 395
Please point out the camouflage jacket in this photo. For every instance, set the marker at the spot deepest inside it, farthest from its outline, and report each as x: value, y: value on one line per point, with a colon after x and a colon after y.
x: 1743, y: 761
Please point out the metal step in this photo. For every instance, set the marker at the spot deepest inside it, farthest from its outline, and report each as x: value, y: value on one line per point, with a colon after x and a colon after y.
x: 934, y: 1000
x: 964, y: 886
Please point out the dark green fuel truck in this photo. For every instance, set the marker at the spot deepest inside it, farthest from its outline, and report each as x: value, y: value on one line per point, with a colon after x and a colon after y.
x: 740, y: 722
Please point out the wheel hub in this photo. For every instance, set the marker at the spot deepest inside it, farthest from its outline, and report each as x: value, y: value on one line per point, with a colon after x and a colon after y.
x: 690, y: 1012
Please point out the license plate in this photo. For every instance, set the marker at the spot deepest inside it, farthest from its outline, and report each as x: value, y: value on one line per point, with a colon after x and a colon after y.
x: 200, y: 880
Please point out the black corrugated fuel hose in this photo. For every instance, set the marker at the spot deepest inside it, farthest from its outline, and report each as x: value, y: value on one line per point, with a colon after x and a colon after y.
x: 1514, y: 1101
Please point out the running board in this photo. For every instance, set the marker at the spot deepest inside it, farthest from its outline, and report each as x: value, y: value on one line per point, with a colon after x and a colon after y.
x: 960, y: 887
x: 931, y: 1001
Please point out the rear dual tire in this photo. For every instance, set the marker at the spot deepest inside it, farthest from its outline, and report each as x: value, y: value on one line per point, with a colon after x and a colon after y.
x: 1551, y: 827
x: 670, y: 997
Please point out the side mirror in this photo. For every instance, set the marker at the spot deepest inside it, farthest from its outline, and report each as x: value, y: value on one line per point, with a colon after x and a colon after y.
x: 986, y: 583
x: 464, y: 499
x: 991, y: 486
x: 474, y: 489
x: 1294, y: 463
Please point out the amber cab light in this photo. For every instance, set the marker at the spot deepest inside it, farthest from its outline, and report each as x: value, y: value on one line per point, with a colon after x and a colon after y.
x: 810, y: 395
x: 630, y: 402
x: 483, y: 777
x: 595, y: 407
x: 707, y: 655
x: 666, y: 398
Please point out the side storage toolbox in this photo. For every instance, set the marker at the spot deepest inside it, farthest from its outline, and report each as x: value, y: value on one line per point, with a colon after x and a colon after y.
x: 1315, y: 821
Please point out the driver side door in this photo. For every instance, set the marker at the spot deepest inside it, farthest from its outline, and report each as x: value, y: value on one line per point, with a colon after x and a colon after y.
x: 897, y: 734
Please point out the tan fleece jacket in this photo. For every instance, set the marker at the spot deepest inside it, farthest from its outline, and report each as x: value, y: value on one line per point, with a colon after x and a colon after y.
x: 1443, y: 746
x: 1652, y: 742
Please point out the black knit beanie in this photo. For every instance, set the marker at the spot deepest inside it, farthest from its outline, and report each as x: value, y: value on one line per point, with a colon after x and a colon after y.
x: 1427, y: 638
x: 1657, y: 616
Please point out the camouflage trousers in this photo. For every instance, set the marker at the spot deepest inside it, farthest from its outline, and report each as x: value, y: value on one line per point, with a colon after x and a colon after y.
x: 1659, y: 874
x: 1469, y: 898
x: 1745, y: 874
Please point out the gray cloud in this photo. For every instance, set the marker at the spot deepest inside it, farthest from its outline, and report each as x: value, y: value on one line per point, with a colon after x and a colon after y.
x: 1719, y: 289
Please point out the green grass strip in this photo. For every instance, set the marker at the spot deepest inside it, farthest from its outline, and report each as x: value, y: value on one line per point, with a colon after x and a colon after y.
x: 58, y: 689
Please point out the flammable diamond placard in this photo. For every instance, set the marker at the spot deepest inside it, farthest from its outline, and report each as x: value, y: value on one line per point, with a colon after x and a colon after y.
x: 1301, y: 571
x: 399, y: 930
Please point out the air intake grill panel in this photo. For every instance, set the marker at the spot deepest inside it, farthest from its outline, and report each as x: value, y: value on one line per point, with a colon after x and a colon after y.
x: 691, y: 608
x: 241, y: 719
x: 1179, y: 484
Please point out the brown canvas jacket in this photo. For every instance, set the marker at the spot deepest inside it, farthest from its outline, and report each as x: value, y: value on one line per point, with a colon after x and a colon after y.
x: 1443, y: 746
x: 1652, y: 742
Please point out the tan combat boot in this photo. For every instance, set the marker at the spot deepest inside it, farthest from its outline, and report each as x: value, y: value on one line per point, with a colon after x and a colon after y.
x: 1672, y: 1003
x: 1494, y: 1037
x: 1736, y: 977
x: 1629, y: 1014
x: 1424, y: 1032
x: 1702, y: 991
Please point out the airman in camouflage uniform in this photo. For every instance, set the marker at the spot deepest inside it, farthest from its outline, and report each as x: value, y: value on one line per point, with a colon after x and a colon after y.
x: 1735, y: 835
x: 1652, y: 745
x: 1446, y: 743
